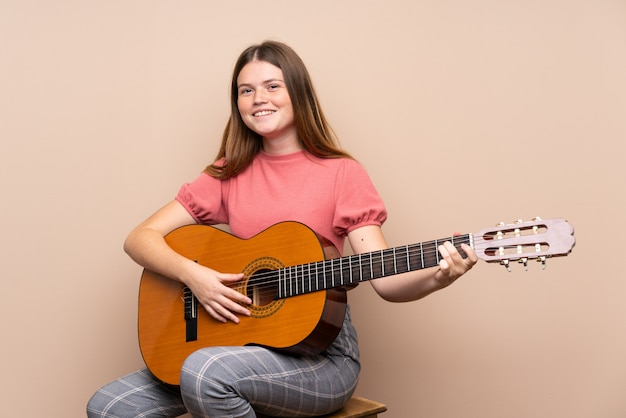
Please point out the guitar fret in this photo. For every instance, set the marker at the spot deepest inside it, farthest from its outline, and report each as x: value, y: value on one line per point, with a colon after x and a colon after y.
x: 288, y: 281
x: 318, y: 275
x: 339, y: 281
x: 303, y: 279
x: 302, y: 283
x: 408, y: 258
x: 284, y: 283
x: 340, y: 271
x: 401, y: 262
x: 300, y: 277
x: 360, y: 268
x: 306, y: 271
x: 356, y: 273
x: 325, y: 276
x: 395, y: 264
x: 296, y: 281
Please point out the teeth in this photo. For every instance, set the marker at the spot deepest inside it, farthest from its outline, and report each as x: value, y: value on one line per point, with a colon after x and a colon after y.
x: 264, y: 113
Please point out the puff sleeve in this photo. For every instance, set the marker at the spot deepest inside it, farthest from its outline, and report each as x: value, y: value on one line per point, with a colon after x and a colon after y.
x: 204, y: 199
x: 357, y: 200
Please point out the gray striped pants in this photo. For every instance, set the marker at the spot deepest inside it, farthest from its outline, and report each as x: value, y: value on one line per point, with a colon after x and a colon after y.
x: 239, y: 382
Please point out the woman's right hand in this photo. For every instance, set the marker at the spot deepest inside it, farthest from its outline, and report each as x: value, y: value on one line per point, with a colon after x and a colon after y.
x: 212, y: 290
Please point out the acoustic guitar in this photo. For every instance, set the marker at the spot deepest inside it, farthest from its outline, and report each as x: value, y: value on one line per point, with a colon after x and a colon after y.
x: 298, y: 293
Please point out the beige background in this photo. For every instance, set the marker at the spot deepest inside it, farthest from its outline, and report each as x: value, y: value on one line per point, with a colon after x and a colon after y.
x: 465, y: 113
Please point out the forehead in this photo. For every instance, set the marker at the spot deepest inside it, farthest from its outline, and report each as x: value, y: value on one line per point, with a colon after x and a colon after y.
x: 259, y: 72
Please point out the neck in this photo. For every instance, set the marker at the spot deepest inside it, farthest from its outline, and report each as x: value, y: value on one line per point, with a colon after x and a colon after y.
x: 281, y: 146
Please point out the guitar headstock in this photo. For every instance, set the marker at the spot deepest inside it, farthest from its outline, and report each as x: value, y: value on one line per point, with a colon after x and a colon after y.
x: 522, y: 241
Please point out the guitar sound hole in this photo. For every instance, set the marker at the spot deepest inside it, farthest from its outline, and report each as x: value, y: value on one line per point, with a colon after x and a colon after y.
x: 260, y: 290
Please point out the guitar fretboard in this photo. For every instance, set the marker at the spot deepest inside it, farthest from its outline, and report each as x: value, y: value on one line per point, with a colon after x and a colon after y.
x: 343, y: 271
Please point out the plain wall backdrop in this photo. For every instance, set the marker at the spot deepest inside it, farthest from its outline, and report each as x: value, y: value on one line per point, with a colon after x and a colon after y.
x: 465, y: 113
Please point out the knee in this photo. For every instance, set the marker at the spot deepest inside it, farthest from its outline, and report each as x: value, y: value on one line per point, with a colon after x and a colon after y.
x: 201, y: 374
x: 207, y: 386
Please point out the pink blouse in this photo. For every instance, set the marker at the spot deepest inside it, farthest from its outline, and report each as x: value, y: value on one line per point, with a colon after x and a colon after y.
x: 331, y: 196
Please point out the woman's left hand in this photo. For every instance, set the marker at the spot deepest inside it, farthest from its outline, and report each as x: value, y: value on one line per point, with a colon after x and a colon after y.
x: 452, y: 265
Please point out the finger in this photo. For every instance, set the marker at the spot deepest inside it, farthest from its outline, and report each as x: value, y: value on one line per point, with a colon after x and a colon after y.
x: 222, y: 313
x: 214, y: 314
x: 471, y: 254
x: 444, y: 266
x: 230, y: 277
x: 455, y: 256
x: 444, y: 250
x: 230, y: 292
x: 236, y: 296
x: 235, y: 307
x: 444, y: 263
x: 449, y: 253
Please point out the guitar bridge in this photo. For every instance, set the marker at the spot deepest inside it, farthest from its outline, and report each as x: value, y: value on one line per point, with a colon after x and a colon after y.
x: 191, y: 315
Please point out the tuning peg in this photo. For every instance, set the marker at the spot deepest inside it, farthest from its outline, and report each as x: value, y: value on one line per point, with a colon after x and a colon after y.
x: 524, y: 261
x: 505, y: 263
x: 536, y: 218
x: 542, y: 260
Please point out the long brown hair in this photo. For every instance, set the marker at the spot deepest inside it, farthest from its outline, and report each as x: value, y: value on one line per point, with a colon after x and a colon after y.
x: 240, y: 144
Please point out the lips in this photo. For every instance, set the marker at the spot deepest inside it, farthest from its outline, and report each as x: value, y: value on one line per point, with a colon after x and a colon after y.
x: 263, y: 113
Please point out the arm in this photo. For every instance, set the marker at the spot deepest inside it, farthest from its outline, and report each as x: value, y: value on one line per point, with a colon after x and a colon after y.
x: 414, y: 285
x: 146, y: 246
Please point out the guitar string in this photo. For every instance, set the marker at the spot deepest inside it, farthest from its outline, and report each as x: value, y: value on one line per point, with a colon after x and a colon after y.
x: 266, y: 282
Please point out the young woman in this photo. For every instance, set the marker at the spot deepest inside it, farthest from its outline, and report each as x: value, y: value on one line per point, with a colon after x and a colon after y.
x: 279, y: 160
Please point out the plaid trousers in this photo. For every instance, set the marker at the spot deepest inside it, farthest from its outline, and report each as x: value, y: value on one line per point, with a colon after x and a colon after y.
x: 224, y: 382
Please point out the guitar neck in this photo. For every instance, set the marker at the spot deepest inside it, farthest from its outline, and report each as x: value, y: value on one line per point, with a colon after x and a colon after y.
x: 353, y: 269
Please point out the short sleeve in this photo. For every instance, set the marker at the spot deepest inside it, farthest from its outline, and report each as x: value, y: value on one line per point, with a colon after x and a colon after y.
x: 358, y: 201
x: 203, y: 198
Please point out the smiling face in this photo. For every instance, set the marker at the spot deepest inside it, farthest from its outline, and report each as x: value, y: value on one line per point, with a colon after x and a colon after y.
x: 265, y: 106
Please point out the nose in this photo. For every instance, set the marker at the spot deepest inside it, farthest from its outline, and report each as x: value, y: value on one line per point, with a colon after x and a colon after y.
x: 259, y: 96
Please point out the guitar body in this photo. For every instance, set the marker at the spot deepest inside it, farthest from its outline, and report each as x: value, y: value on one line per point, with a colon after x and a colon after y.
x: 303, y: 324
